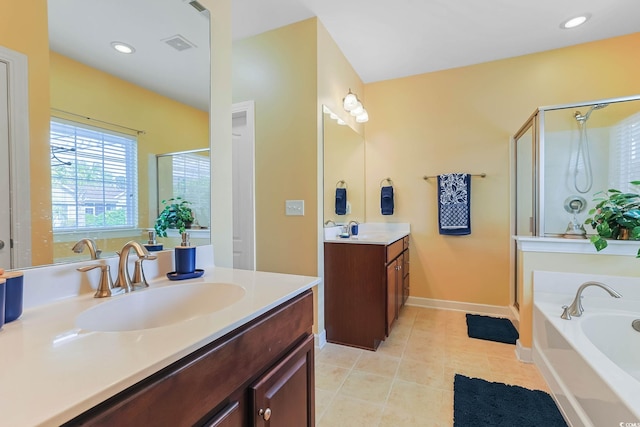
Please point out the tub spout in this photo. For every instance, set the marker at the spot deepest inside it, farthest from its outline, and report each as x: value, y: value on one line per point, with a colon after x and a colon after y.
x: 576, y: 309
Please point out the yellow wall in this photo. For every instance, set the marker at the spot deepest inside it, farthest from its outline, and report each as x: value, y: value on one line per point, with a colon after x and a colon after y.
x: 461, y: 120
x: 16, y: 17
x: 335, y: 77
x: 277, y: 70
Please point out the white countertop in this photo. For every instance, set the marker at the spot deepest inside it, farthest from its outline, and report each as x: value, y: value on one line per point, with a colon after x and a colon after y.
x: 373, y: 238
x: 370, y: 234
x: 51, y: 371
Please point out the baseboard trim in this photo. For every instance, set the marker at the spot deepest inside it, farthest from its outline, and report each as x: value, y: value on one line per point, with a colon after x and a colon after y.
x: 524, y: 354
x: 320, y: 339
x: 495, y: 310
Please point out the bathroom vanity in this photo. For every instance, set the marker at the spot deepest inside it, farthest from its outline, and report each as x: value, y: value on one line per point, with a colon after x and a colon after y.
x: 366, y: 285
x: 247, y: 360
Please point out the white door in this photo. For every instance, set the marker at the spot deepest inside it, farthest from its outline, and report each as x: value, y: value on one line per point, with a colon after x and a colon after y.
x: 5, y: 208
x: 243, y: 187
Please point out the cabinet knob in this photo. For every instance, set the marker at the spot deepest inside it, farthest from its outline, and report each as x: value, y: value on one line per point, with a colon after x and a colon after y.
x: 265, y: 413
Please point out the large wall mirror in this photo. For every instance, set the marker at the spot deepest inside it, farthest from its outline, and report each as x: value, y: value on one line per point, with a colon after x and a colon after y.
x: 343, y: 168
x: 113, y: 113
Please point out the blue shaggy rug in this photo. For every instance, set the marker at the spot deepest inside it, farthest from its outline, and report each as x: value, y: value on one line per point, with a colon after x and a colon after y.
x: 480, y: 403
x: 491, y: 329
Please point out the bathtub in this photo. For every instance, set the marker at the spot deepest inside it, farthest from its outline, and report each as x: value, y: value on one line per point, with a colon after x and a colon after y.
x: 592, y: 362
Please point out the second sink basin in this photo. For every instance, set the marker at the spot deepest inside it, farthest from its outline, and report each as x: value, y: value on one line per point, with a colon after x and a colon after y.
x: 154, y: 308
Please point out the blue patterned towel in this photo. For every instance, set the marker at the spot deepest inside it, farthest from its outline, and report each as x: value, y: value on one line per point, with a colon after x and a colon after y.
x: 386, y: 200
x: 341, y: 201
x: 454, y: 197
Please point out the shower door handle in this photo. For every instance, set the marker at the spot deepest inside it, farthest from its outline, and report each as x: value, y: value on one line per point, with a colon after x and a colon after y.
x: 1, y: 244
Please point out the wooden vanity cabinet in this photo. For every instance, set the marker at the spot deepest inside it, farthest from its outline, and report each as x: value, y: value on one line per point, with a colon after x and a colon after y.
x: 365, y: 288
x: 265, y: 365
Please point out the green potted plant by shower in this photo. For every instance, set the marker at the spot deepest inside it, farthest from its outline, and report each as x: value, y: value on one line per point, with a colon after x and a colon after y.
x: 615, y: 216
x: 177, y: 214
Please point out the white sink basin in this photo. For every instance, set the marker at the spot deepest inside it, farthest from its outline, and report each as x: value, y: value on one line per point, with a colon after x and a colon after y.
x: 154, y: 308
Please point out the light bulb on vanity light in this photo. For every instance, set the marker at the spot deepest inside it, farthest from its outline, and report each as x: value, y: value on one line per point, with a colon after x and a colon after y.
x: 363, y: 117
x: 357, y: 110
x: 350, y: 101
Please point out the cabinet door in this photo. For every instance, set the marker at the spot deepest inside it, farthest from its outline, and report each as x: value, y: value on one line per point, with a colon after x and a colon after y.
x: 284, y: 395
x: 405, y: 276
x: 392, y: 294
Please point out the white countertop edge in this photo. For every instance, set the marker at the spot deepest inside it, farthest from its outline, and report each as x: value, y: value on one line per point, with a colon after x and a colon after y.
x: 373, y: 238
x: 62, y: 408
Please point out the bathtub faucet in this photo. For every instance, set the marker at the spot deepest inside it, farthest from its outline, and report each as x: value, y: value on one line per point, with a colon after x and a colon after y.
x: 576, y: 309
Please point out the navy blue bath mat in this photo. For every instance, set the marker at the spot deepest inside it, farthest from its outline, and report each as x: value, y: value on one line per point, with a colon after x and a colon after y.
x: 491, y: 329
x: 480, y: 403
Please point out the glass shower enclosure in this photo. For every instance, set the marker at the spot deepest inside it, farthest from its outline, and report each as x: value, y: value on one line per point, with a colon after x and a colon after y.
x: 563, y: 156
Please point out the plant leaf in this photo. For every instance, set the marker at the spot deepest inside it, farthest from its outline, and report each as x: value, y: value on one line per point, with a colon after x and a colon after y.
x: 598, y: 242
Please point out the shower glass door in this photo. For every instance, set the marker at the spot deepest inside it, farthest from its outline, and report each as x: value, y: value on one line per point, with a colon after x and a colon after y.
x: 525, y: 191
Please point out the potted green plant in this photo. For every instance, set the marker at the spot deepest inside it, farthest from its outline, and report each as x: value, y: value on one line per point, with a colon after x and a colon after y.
x: 177, y: 214
x: 615, y: 216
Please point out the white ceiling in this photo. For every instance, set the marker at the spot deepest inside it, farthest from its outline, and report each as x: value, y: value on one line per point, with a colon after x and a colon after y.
x: 381, y: 39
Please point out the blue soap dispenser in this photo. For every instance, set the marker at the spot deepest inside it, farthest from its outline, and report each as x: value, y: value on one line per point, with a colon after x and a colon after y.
x: 185, y: 256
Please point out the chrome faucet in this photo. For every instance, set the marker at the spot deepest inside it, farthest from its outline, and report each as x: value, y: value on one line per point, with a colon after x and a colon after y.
x: 576, y: 309
x: 124, y: 279
x: 326, y: 223
x: 89, y: 243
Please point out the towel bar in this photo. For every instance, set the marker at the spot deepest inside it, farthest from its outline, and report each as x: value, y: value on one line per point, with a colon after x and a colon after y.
x: 481, y: 175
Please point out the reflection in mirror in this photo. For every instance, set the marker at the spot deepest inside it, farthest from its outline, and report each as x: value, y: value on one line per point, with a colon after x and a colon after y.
x: 186, y: 175
x: 112, y: 114
x: 343, y: 161
x: 587, y: 150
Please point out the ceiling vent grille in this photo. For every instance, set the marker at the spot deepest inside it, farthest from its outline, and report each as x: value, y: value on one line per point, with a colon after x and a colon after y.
x: 179, y: 43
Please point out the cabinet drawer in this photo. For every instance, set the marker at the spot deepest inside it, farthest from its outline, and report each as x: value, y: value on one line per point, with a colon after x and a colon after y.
x: 394, y: 249
x: 405, y: 242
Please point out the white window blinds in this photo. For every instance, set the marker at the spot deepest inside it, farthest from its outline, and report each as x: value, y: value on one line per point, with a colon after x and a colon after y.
x: 94, y: 180
x: 191, y: 181
x: 624, y: 153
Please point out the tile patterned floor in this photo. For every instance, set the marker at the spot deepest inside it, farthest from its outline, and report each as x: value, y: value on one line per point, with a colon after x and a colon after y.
x: 409, y: 380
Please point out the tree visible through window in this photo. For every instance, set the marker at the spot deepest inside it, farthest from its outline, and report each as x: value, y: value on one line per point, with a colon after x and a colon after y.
x: 93, y: 177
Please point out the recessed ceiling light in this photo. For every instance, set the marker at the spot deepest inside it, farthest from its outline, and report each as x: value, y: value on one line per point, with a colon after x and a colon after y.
x: 122, y: 47
x: 575, y: 22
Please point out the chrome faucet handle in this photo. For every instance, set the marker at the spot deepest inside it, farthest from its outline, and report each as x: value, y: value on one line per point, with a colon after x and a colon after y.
x: 105, y: 287
x: 565, y: 313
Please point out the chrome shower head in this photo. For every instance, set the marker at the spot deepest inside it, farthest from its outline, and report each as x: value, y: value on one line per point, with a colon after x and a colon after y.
x: 582, y: 118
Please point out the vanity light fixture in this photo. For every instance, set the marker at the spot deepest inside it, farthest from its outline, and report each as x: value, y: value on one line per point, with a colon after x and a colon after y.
x: 353, y: 106
x: 123, y: 47
x: 363, y: 118
x: 350, y: 101
x: 575, y: 21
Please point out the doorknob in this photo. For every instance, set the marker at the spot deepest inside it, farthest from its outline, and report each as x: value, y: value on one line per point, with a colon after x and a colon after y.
x: 1, y: 244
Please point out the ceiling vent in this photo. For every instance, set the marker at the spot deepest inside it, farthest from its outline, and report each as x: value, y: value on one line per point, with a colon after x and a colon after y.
x: 179, y: 43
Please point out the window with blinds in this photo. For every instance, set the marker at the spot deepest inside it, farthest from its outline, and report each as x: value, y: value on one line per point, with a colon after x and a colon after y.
x: 94, y: 180
x: 624, y: 153
x: 191, y: 181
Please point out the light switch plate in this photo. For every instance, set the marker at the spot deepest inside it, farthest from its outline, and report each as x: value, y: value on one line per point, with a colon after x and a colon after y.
x: 294, y: 207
